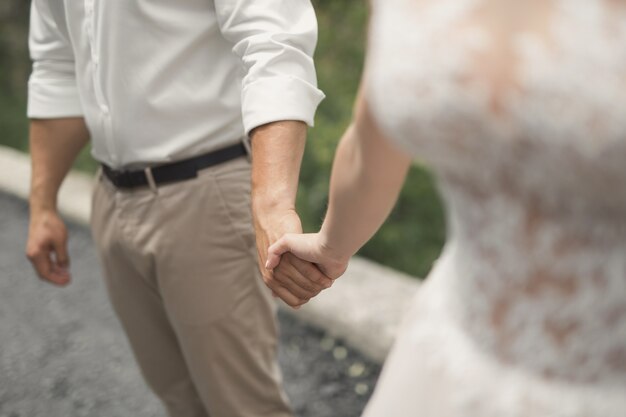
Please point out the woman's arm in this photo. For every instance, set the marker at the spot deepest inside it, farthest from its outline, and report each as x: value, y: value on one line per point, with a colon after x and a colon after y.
x: 367, y: 175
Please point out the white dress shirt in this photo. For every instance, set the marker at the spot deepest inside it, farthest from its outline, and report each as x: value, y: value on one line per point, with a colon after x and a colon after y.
x: 161, y: 80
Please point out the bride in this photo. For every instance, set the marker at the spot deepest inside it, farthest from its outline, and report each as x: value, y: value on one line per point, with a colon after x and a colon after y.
x: 519, y: 108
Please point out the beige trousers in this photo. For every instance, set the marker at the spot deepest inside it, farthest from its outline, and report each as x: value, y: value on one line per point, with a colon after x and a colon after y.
x: 180, y: 268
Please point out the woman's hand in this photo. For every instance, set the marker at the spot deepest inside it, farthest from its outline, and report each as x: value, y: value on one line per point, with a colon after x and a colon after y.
x: 308, y: 247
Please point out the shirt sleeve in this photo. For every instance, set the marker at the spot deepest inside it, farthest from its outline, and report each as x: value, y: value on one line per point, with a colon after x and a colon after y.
x: 52, y: 89
x: 275, y: 40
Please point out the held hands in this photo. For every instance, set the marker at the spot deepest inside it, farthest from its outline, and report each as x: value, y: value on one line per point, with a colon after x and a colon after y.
x: 308, y: 247
x: 47, y: 247
x: 295, y: 281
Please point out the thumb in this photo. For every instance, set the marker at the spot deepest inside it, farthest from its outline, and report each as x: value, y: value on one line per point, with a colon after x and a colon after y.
x: 301, y: 245
x: 275, y: 251
x: 62, y: 258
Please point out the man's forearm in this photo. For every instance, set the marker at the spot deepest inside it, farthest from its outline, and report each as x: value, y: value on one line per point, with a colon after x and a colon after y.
x: 54, y: 145
x: 367, y: 175
x: 277, y: 150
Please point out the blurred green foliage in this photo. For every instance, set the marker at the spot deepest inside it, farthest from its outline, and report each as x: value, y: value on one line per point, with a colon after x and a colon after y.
x: 412, y: 237
x: 14, y: 67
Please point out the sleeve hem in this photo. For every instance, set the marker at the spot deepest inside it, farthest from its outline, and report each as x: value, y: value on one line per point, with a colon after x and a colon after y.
x: 279, y: 98
x: 53, y: 100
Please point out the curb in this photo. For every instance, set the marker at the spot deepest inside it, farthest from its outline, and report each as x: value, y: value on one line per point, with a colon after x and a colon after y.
x: 364, y: 307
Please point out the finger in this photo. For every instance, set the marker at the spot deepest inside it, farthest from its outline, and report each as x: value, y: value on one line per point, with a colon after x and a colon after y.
x: 277, y: 288
x: 46, y: 269
x: 275, y: 251
x: 261, y: 250
x: 60, y: 273
x: 288, y: 297
x: 288, y: 281
x: 264, y: 272
x: 41, y: 262
x: 290, y: 242
x: 309, y: 271
x: 302, y: 274
x: 303, y: 246
x: 59, y: 276
x: 61, y: 255
x: 273, y: 259
x: 283, y: 285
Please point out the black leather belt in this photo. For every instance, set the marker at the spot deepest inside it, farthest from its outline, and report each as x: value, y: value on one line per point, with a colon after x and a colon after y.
x: 173, y: 172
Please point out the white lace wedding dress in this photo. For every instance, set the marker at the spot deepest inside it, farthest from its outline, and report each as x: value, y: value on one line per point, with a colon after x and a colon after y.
x: 519, y: 107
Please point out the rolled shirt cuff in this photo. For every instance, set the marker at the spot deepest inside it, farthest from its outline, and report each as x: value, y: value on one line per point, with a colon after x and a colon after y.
x: 279, y: 98
x: 53, y: 99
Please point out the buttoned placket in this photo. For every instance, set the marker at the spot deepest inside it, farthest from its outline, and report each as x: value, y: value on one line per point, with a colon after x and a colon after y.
x: 105, y: 115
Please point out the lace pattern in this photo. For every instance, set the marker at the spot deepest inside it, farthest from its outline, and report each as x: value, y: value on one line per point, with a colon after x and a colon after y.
x: 520, y: 110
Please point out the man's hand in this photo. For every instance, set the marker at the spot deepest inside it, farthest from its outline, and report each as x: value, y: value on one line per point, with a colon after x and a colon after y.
x: 277, y: 150
x: 47, y: 247
x: 294, y: 281
x: 54, y: 144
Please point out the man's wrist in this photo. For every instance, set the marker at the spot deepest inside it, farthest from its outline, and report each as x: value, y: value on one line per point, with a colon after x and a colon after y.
x: 265, y: 203
x: 39, y: 210
x: 37, y: 204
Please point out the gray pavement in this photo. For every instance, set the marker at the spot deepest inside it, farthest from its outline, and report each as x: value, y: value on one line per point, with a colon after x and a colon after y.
x: 63, y: 353
x: 364, y: 307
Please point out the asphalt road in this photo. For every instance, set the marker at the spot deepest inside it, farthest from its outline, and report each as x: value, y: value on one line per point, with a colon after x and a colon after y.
x: 63, y: 353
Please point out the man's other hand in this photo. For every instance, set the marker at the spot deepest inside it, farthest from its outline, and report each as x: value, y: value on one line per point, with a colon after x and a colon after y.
x: 47, y: 247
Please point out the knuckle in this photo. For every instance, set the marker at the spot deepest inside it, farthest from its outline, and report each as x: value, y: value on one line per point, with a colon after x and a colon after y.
x: 307, y: 268
x: 313, y: 274
x: 280, y: 267
x: 309, y: 291
x: 313, y: 287
x: 280, y: 277
x: 322, y: 283
x: 317, y: 277
x: 32, y: 253
x: 302, y: 295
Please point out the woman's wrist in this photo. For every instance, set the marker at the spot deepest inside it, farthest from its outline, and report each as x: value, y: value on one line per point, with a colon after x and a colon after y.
x: 330, y: 250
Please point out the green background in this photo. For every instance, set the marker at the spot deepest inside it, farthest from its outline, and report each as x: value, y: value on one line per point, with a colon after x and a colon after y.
x: 412, y: 237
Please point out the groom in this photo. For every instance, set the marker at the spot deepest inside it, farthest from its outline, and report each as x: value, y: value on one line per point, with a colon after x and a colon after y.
x: 174, y: 96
